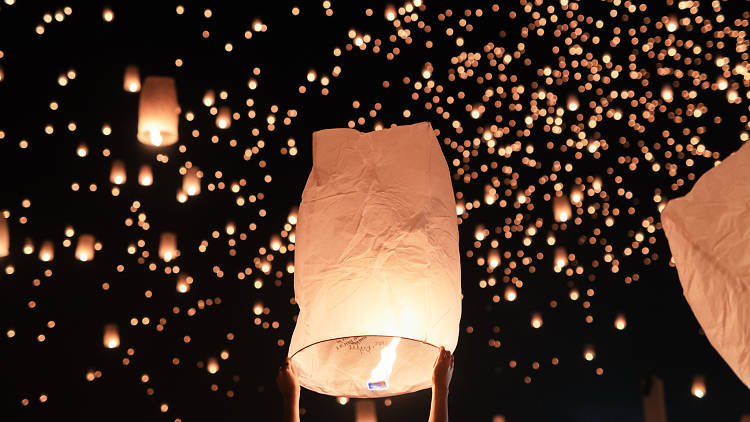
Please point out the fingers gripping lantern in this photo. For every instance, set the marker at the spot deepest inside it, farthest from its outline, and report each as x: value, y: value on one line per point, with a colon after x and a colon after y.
x: 377, y: 271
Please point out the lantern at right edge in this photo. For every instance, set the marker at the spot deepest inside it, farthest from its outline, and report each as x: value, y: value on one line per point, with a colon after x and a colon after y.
x: 709, y: 236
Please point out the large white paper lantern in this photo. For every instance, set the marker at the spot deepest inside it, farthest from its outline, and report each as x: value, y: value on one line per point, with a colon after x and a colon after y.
x: 377, y: 271
x: 158, y: 111
x: 709, y: 236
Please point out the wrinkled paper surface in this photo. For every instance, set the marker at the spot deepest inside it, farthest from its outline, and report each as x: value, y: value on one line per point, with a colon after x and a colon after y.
x: 376, y: 254
x: 709, y: 235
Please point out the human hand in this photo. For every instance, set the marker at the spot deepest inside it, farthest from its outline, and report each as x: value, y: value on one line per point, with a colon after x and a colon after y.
x: 287, y: 381
x: 442, y: 371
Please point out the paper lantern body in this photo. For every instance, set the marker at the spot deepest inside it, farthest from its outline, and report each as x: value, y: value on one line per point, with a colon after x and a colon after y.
x: 709, y: 236
x: 376, y: 259
x: 158, y: 112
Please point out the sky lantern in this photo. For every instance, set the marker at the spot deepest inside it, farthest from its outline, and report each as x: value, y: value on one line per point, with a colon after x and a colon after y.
x: 117, y: 174
x: 145, y: 176
x: 132, y: 80
x: 4, y: 237
x: 168, y: 246
x: 209, y: 98
x: 47, y: 251
x: 708, y: 232
x: 191, y: 183
x: 562, y: 210
x: 698, y: 389
x: 158, y: 112
x: 111, y: 336
x: 667, y: 94
x: 377, y: 265
x: 224, y: 118
x: 85, y: 247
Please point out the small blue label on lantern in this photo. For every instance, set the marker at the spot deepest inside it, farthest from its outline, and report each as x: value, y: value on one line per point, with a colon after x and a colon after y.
x: 377, y: 386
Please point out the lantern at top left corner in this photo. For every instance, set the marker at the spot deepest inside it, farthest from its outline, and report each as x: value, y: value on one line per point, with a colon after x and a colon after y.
x: 158, y: 112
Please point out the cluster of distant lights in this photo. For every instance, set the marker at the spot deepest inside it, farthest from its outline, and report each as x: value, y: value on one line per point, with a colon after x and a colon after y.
x: 485, y: 159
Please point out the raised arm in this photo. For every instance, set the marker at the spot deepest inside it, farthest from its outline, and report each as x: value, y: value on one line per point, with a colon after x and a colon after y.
x: 289, y: 388
x: 441, y: 379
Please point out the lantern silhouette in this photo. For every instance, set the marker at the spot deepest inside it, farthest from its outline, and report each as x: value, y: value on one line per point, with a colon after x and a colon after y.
x: 709, y: 236
x: 158, y: 112
x: 377, y: 271
x: 4, y: 237
x: 132, y: 80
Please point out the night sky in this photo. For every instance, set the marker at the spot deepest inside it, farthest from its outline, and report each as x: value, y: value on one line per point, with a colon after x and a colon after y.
x: 608, y: 107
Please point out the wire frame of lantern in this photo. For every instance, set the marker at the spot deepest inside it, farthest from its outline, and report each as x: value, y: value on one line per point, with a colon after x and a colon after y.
x: 168, y: 246
x: 132, y: 79
x: 377, y: 265
x: 158, y: 112
x: 85, y: 247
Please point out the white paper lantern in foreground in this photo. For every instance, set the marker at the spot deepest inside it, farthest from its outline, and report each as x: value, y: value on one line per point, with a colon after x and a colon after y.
x: 377, y: 271
x: 158, y: 111
x: 709, y: 235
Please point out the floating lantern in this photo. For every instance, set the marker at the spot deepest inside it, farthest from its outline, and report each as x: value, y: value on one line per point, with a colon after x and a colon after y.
x: 672, y: 23
x: 576, y: 195
x: 209, y: 98
x: 158, y: 112
x: 573, y: 103
x: 111, y: 336
x: 561, y: 257
x: 699, y: 387
x: 117, y: 175
x: 183, y: 283
x: 708, y: 232
x: 377, y: 265
x: 536, y: 320
x: 82, y: 150
x: 28, y: 246
x: 132, y: 80
x: 224, y: 118
x: 621, y: 322
x: 47, y: 251
x: 667, y: 94
x: 4, y: 237
x: 85, y: 247
x: 588, y: 353
x: 212, y: 366
x: 168, y: 246
x: 145, y: 176
x: 191, y: 183
x: 2, y: 74
x: 562, y: 210
x: 510, y: 294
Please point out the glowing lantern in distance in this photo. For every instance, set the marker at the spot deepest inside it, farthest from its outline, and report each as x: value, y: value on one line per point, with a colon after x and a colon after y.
x: 191, y: 183
x: 85, y: 247
x: 111, y: 336
x: 158, y: 112
x: 168, y: 246
x: 224, y: 118
x: 117, y: 174
x: 145, y: 176
x: 132, y: 80
x: 377, y: 265
x: 47, y: 251
x: 562, y: 210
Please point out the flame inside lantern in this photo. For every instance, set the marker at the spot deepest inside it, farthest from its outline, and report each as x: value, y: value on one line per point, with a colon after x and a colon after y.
x: 382, y: 371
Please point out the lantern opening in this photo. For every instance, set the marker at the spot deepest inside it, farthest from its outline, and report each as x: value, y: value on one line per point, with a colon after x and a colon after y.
x: 366, y: 366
